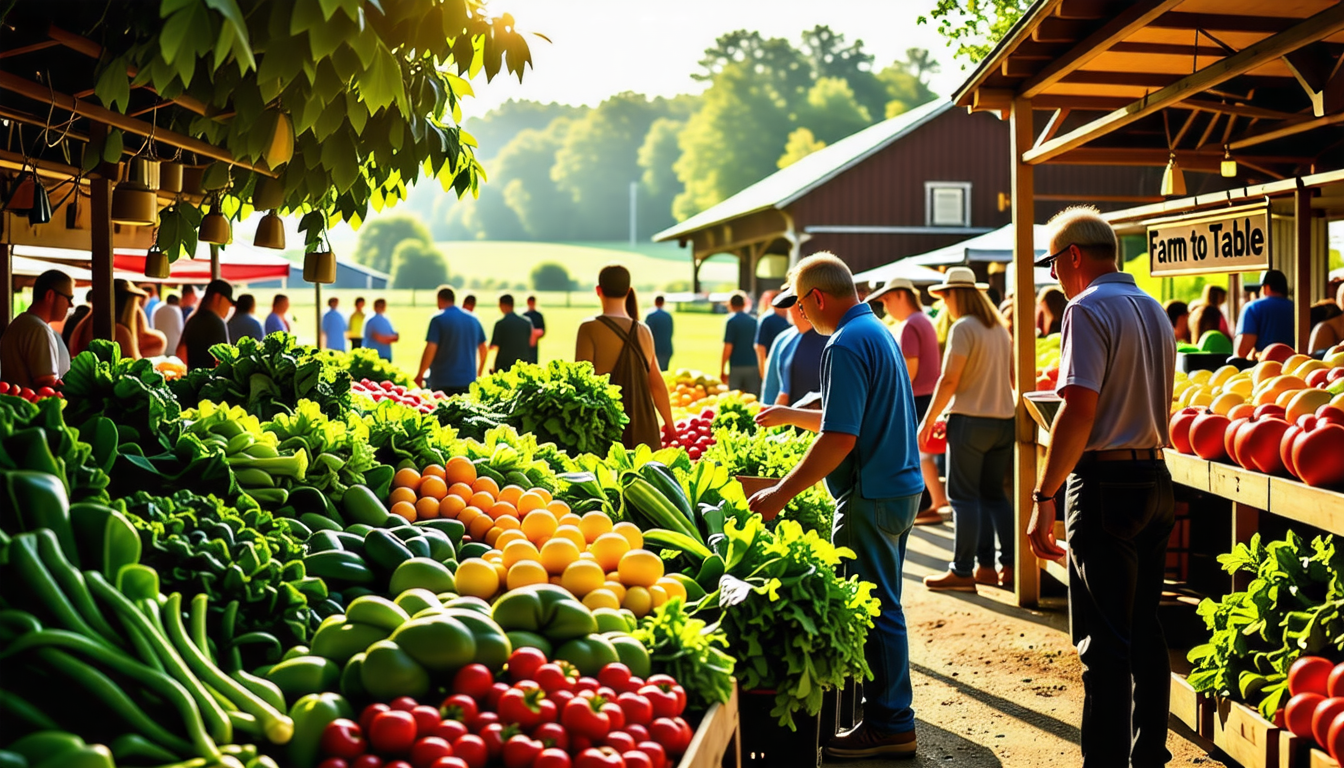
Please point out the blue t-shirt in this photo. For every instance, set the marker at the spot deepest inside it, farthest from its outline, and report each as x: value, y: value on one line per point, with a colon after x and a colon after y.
x: 776, y: 364
x: 804, y: 372
x: 381, y: 325
x: 1270, y: 319
x: 458, y: 335
x: 771, y: 325
x: 660, y: 325
x: 333, y: 325
x: 244, y: 324
x: 865, y: 391
x: 275, y: 323
x: 740, y: 331
x: 150, y: 306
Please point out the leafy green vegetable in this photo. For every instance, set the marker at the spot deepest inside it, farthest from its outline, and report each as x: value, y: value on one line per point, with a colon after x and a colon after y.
x: 793, y: 624
x: 773, y: 453
x: 689, y: 650
x: 734, y: 414
x: 129, y: 392
x: 562, y: 403
x: 471, y: 419
x: 365, y: 363
x: 34, y: 436
x: 267, y: 377
x: 338, y: 448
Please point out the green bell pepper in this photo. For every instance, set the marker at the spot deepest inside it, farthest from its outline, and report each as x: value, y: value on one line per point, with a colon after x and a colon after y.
x: 301, y: 676
x: 438, y: 643
x: 589, y: 654
x: 311, y: 715
x: 422, y: 573
x: 389, y: 671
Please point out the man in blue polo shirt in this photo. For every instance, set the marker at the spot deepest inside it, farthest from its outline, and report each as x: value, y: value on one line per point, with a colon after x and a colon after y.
x: 867, y: 455
x: 454, y: 338
x: 1269, y: 319
x: 739, y: 368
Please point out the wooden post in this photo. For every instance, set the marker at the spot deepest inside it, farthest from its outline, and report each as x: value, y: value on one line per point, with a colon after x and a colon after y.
x: 214, y: 262
x: 317, y: 329
x: 1302, y: 293
x: 100, y: 208
x: 1027, y: 572
x: 7, y: 280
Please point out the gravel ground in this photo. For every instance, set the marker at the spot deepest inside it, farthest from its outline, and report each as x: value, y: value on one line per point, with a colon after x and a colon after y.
x: 995, y: 685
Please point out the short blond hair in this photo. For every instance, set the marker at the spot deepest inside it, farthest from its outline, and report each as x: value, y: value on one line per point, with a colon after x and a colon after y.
x: 826, y: 272
x: 1083, y: 226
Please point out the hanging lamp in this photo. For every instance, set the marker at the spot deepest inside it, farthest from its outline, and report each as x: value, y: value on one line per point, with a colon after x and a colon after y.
x: 215, y: 227
x: 1229, y: 166
x: 319, y: 264
x: 270, y: 232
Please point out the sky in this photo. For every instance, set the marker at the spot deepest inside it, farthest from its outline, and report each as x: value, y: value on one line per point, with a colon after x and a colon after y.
x: 602, y: 47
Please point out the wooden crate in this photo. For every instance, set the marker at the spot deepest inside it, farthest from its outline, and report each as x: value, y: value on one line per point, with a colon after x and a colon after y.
x: 1244, y: 735
x: 1190, y: 707
x: 1319, y: 759
x: 1294, y: 751
x: 1242, y: 485
x: 716, y: 742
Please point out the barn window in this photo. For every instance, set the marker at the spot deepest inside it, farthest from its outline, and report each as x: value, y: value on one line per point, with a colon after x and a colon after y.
x: 947, y: 203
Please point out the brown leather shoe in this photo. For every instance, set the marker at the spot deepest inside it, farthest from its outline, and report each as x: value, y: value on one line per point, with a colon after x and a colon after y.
x: 987, y: 576
x: 929, y: 516
x: 949, y: 582
x: 1006, y: 578
x: 865, y: 741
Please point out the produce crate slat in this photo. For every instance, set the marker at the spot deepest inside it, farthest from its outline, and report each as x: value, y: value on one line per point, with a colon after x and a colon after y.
x: 1188, y: 706
x: 715, y: 738
x: 1191, y: 471
x: 1294, y: 751
x: 1244, y: 735
x: 1240, y: 485
x: 1313, y: 506
x: 1319, y: 759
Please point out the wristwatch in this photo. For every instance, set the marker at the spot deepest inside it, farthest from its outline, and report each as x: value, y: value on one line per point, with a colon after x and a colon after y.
x: 1040, y: 498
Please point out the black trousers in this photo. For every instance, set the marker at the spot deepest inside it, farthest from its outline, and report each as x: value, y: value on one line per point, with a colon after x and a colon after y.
x: 1119, y: 517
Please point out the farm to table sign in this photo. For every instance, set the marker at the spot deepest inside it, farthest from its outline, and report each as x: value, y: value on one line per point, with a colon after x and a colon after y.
x: 1235, y: 240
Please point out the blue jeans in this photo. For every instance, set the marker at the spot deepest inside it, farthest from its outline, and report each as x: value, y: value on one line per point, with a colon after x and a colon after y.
x: 979, y: 454
x: 877, y: 530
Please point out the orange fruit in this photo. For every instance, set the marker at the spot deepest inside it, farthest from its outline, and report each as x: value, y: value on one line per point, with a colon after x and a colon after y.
x: 406, y: 478
x: 461, y: 490
x: 466, y: 516
x: 405, y: 509
x: 608, y: 549
x: 507, y: 523
x: 640, y: 568
x: 529, y: 501
x: 525, y: 572
x: 516, y: 551
x: 557, y: 507
x: 658, y: 594
x: 594, y: 524
x: 480, y: 526
x: 492, y: 536
x: 487, y: 485
x: 434, y: 470
x: 476, y: 578
x: 557, y: 554
x: 427, y: 508
x: 402, y: 494
x: 539, y: 526
x: 673, y: 588
x: 543, y: 493
x: 587, y: 556
x: 638, y: 600
x: 433, y: 487
x: 601, y: 598
x: 581, y: 577
x: 460, y: 470
x: 631, y: 533
x: 614, y: 587
x: 501, y: 508
x: 481, y: 500
x: 451, y: 506
x: 510, y: 493
x: 572, y: 533
x: 493, y: 556
x: 501, y: 572
x: 507, y: 537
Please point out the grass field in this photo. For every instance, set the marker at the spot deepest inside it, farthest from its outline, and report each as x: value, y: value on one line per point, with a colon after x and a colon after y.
x: 653, y: 265
x: 698, y: 340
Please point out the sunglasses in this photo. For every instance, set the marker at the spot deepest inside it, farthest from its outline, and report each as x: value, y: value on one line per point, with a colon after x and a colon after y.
x: 1050, y: 260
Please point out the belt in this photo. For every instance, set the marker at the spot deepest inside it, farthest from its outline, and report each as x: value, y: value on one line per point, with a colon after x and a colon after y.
x: 1125, y: 454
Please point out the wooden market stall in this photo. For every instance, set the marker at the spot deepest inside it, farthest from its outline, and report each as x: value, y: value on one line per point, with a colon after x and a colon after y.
x: 1241, y: 102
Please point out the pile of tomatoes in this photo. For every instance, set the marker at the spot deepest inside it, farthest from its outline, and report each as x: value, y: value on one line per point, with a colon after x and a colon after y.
x: 30, y: 395
x: 1316, y: 709
x: 422, y: 400
x: 543, y: 716
x: 695, y: 434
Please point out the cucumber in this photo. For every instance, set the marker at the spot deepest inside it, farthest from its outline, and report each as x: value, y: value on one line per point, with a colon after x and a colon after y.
x: 325, y: 541
x: 318, y: 522
x: 454, y: 529
x: 339, y: 566
x: 385, y: 551
x: 474, y: 549
x: 419, y: 546
x: 359, y: 529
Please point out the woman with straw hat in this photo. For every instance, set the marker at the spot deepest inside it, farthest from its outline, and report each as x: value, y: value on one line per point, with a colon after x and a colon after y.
x: 975, y: 389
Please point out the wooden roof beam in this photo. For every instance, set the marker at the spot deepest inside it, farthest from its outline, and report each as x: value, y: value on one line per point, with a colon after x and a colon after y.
x: 1085, y: 9
x: 27, y: 49
x: 1305, y: 32
x: 1056, y: 30
x: 1207, y: 161
x: 1135, y: 79
x: 1133, y: 18
x: 1318, y: 72
x: 1284, y: 131
x: 1052, y: 127
x: 1167, y: 49
x: 1222, y: 22
x: 1049, y: 102
x: 1240, y: 110
x: 91, y: 49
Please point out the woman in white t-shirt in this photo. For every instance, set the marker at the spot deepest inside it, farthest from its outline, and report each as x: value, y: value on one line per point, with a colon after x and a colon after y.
x: 975, y: 390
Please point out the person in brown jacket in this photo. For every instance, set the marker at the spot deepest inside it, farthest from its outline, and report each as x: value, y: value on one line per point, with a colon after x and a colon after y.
x: 619, y: 345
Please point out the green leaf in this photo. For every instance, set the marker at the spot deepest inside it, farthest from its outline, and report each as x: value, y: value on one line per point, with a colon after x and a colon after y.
x: 114, y: 86
x: 112, y: 147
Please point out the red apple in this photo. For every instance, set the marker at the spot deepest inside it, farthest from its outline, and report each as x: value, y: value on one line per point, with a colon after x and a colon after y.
x: 1318, y: 455
x: 1286, y: 443
x: 1277, y: 352
x: 1318, y: 378
x: 1180, y: 429
x: 1206, y: 436
x: 1335, y: 374
x: 1330, y: 414
x: 1270, y: 409
x: 1230, y: 438
x: 1257, y: 444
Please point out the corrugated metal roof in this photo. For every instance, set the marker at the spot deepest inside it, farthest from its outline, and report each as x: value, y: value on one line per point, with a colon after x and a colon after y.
x: 788, y: 184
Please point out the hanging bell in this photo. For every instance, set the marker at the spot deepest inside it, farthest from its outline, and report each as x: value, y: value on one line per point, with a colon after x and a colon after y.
x: 269, y: 194
x: 215, y: 229
x: 40, y: 213
x: 319, y: 267
x: 142, y: 173
x: 156, y: 263
x: 270, y: 232
x: 1173, y: 179
x: 170, y: 177
x: 20, y: 198
x: 136, y: 207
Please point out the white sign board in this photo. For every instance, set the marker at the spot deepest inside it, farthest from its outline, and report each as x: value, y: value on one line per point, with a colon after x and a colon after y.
x: 1235, y: 240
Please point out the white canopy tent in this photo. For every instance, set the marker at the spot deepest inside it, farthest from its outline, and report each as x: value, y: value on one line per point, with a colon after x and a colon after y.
x: 905, y: 268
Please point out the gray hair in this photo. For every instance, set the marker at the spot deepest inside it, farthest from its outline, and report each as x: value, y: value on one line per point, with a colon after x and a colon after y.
x: 1083, y: 226
x: 826, y: 271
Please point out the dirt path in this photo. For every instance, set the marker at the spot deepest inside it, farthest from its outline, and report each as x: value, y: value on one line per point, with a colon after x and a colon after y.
x: 995, y: 685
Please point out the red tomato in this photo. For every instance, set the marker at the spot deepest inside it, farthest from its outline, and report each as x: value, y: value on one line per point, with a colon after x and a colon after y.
x: 1309, y: 674
x: 1323, y: 718
x: 1180, y: 429
x: 655, y: 752
x: 450, y: 762
x: 553, y: 677
x: 620, y: 741
x: 599, y: 757
x: 637, y: 708
x: 552, y: 758
x: 428, y: 750
x: 496, y: 691
x: 1297, y: 715
x: 367, y: 761
x: 451, y: 730
x: 614, y: 675
x: 523, y: 707
x: 1318, y: 455
x: 342, y: 738
x: 404, y: 703
x: 584, y: 717
x: 521, y: 752
x: 494, y: 735
x: 1335, y: 738
x: 1206, y: 435
x: 471, y: 749
x: 1257, y: 444
x: 587, y: 684
x: 427, y: 720
x: 666, y: 731
x: 635, y: 759
x: 333, y: 762
x: 1334, y: 685
x: 460, y: 707
x: 523, y: 663
x: 482, y: 721
x: 552, y: 735
x: 393, y: 732
x: 640, y: 732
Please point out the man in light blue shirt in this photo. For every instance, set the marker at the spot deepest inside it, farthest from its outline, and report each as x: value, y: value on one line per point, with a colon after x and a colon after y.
x: 453, y: 336
x: 1269, y: 319
x: 333, y: 327
x: 277, y: 320
x: 660, y: 325
x: 866, y: 453
x: 379, y: 334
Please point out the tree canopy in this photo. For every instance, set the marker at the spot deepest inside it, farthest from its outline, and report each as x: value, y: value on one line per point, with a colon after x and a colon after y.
x: 416, y: 264
x: 974, y: 26
x: 551, y: 276
x: 379, y: 239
